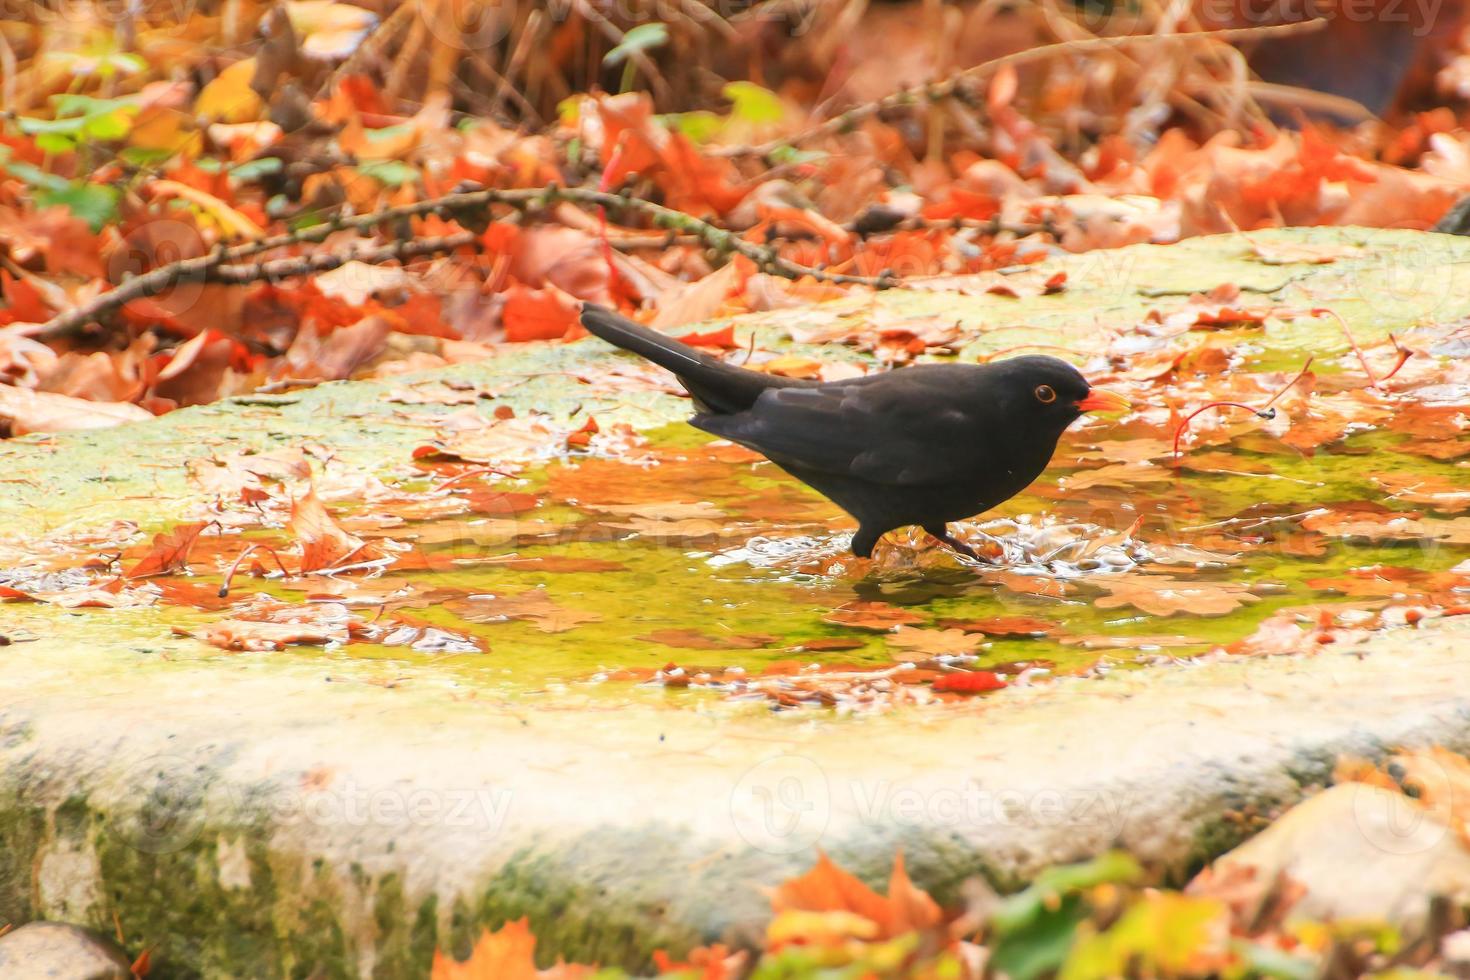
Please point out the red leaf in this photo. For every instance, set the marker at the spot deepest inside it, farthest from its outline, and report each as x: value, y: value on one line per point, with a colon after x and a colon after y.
x: 723, y: 339
x: 537, y: 314
x: 584, y: 435
x: 969, y: 682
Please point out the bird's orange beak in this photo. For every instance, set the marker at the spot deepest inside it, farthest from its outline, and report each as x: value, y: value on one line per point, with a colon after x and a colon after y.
x: 1101, y: 400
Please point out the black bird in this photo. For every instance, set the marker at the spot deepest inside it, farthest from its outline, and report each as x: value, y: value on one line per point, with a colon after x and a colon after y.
x: 922, y: 445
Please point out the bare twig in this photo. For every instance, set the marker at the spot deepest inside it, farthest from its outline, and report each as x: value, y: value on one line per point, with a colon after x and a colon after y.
x: 950, y: 86
x: 471, y: 208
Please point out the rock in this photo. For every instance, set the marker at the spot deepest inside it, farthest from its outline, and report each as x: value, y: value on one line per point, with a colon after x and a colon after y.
x: 1356, y: 851
x: 58, y: 951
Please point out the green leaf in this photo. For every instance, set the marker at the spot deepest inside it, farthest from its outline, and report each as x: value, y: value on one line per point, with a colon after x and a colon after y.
x: 90, y: 105
x: 1040, y: 945
x: 700, y: 126
x: 35, y: 176
x: 754, y: 104
x: 1020, y: 909
x: 387, y: 133
x: 256, y: 169
x: 790, y: 154
x: 1264, y: 961
x: 107, y: 127
x: 390, y: 173
x: 65, y: 127
x: 644, y: 37
x: 95, y: 204
x: 1161, y: 934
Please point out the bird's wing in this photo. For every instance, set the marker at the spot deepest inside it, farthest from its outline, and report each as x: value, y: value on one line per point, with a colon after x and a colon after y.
x: 900, y: 434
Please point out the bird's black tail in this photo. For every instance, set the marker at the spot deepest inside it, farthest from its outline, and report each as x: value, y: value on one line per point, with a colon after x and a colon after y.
x: 716, y: 386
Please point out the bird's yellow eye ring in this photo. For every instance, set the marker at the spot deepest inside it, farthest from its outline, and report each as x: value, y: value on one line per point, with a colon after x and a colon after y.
x: 1045, y: 394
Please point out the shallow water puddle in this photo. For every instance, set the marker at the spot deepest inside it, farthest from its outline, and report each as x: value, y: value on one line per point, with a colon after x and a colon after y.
x: 661, y: 564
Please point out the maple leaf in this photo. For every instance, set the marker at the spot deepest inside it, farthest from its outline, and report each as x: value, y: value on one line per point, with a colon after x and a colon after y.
x: 169, y: 553
x: 1164, y: 595
x: 538, y: 314
x: 826, y: 888
x: 933, y: 643
x: 506, y: 954
x: 323, y: 542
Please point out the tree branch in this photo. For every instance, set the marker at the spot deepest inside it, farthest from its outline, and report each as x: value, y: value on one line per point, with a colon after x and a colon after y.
x: 468, y: 208
x: 948, y: 87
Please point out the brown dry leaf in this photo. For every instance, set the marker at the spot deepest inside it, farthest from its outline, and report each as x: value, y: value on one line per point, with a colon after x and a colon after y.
x: 791, y: 366
x: 533, y: 606
x: 169, y: 553
x: 689, y: 531
x: 494, y: 442
x: 665, y: 511
x: 868, y: 615
x: 1442, y: 779
x: 1301, y: 253
x: 323, y: 542
x: 1438, y: 492
x: 228, y: 475
x: 1003, y: 625
x: 1164, y: 595
x: 932, y: 643
x: 694, y: 640
x: 823, y: 644
x: 1375, y: 526
x: 23, y: 411
x: 1116, y: 475
x: 274, y: 625
x: 698, y: 301
x: 240, y: 635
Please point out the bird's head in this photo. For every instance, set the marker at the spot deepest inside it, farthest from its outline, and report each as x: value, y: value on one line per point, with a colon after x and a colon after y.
x: 1051, y: 392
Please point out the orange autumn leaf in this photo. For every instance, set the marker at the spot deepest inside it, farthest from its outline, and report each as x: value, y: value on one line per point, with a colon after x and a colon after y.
x: 723, y: 339
x: 506, y: 954
x: 170, y: 552
x: 827, y: 888
x: 323, y: 542
x: 583, y: 436
x: 706, y: 963
x: 537, y: 314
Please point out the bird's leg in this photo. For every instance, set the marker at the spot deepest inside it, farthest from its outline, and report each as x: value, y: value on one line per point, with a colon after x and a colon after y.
x: 941, y: 532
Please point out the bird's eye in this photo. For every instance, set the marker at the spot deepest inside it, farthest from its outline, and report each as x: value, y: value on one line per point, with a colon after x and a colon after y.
x: 1045, y: 395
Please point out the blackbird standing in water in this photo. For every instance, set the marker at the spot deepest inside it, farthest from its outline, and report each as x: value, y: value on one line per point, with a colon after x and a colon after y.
x: 923, y: 445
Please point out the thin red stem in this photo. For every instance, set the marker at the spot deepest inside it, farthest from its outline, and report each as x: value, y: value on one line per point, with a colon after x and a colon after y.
x: 224, y: 589
x: 605, y: 186
x: 1260, y: 413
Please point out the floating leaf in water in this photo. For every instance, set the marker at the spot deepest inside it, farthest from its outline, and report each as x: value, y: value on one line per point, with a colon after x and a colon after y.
x: 694, y: 640
x: 533, y: 606
x: 323, y: 542
x: 906, y: 641
x: 870, y: 615
x: 169, y: 553
x: 1003, y: 625
x: 1164, y: 595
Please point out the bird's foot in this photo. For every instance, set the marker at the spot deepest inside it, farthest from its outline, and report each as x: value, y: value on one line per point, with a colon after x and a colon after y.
x: 941, y: 533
